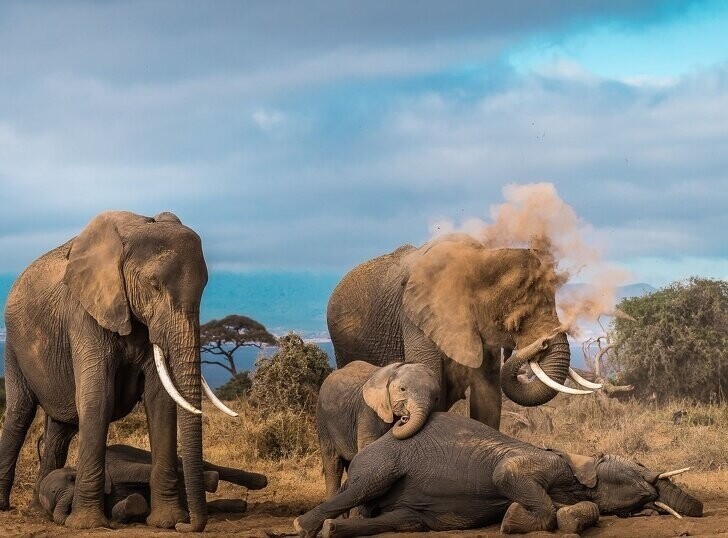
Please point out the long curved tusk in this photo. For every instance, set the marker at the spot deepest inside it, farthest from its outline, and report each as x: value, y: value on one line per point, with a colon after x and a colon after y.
x: 668, y: 474
x: 667, y: 509
x: 583, y: 382
x: 161, y: 365
x: 546, y: 380
x: 215, y: 400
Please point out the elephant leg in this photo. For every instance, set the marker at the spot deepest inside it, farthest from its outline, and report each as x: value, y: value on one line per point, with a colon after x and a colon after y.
x: 367, y: 481
x: 485, y: 390
x: 227, y: 506
x: 57, y: 436
x: 166, y: 509
x: 333, y: 466
x: 577, y: 517
x: 400, y: 520
x: 95, y: 403
x: 20, y: 411
x: 237, y: 476
x: 133, y: 508
x: 532, y: 508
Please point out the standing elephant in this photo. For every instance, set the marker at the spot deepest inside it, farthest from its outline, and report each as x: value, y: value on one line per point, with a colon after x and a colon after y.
x: 89, y: 327
x: 357, y: 404
x: 452, y: 305
x: 459, y: 474
x: 126, y: 486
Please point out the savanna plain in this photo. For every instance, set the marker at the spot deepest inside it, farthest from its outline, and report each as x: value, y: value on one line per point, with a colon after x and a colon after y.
x: 283, y: 445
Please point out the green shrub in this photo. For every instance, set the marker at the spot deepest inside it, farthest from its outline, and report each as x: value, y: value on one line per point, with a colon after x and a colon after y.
x: 289, y: 380
x: 678, y: 347
x: 238, y: 387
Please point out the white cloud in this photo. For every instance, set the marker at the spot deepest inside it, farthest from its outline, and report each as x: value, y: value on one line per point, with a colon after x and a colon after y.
x: 268, y: 120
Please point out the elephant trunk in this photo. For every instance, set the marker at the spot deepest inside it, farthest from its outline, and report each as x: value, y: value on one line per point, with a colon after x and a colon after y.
x: 63, y: 506
x: 677, y: 499
x: 555, y: 364
x: 185, y: 355
x: 408, y: 426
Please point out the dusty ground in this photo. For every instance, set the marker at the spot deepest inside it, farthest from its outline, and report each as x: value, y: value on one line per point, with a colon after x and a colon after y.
x: 270, y: 519
x: 296, y: 485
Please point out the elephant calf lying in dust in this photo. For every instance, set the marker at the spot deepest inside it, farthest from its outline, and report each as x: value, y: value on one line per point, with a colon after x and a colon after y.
x: 358, y: 403
x: 126, y: 486
x: 457, y: 473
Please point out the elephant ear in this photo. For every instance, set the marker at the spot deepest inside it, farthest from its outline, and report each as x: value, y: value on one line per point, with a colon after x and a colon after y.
x: 439, y: 293
x: 583, y: 467
x: 376, y: 392
x: 94, y: 274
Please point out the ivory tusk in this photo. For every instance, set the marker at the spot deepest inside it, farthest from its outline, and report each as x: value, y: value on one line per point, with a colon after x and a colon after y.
x: 667, y: 509
x: 583, y: 382
x: 668, y: 474
x: 546, y: 380
x: 161, y: 365
x: 215, y: 400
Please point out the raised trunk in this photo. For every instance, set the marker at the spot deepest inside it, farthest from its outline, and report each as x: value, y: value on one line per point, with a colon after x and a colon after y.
x: 417, y: 419
x: 185, y: 366
x: 555, y: 364
x: 680, y: 501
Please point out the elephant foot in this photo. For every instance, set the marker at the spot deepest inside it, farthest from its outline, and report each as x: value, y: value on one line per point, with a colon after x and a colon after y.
x: 304, y: 529
x: 4, y: 502
x: 86, y: 518
x: 329, y: 529
x: 518, y: 520
x: 133, y: 508
x: 166, y: 516
x: 577, y: 517
x: 211, y: 479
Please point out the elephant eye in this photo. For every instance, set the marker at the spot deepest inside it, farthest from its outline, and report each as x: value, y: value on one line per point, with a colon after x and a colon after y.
x: 402, y: 389
x: 155, y: 284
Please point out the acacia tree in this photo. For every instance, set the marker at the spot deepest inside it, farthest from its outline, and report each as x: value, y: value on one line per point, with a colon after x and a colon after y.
x: 678, y: 347
x: 224, y: 337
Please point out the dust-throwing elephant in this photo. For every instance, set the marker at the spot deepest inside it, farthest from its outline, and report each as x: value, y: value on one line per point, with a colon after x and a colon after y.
x: 126, y: 486
x: 357, y: 404
x: 107, y: 319
x: 452, y: 305
x: 457, y: 473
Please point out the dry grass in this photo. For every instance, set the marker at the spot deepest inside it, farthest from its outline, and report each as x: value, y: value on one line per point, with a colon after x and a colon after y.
x: 645, y: 433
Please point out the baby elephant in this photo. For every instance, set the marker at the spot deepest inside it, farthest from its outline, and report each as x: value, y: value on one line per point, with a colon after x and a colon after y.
x: 126, y: 486
x: 457, y: 473
x: 357, y: 404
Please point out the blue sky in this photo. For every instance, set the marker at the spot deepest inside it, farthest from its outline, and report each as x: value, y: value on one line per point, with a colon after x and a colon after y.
x: 311, y: 136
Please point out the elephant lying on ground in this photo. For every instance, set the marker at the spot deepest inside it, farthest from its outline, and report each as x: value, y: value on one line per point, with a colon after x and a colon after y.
x: 126, y: 486
x: 458, y: 474
x: 452, y: 304
x: 357, y: 404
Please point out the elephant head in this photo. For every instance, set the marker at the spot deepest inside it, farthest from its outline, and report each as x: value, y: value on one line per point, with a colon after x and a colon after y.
x: 620, y: 486
x: 135, y: 273
x: 56, y: 493
x: 409, y: 391
x: 464, y: 296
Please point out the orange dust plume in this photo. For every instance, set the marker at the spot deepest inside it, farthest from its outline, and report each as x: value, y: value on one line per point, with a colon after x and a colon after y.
x: 534, y: 216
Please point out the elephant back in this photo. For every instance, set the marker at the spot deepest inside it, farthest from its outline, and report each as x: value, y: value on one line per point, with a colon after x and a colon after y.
x: 363, y: 314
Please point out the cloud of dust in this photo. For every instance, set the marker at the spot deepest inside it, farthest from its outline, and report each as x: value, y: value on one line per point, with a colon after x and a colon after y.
x: 534, y: 216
